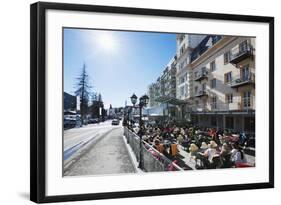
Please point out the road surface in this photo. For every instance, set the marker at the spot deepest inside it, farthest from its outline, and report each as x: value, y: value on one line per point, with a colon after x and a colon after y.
x: 96, y: 149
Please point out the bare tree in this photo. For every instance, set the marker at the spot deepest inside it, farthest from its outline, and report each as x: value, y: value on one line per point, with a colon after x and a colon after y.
x: 83, y: 91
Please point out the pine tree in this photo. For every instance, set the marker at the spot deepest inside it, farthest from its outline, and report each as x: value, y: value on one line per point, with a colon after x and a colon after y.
x: 83, y: 91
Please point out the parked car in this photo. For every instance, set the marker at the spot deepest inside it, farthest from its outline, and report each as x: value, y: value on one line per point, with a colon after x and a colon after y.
x: 93, y: 121
x: 115, y: 122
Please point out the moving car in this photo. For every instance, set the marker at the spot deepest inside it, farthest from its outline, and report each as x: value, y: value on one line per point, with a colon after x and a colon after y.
x: 115, y: 122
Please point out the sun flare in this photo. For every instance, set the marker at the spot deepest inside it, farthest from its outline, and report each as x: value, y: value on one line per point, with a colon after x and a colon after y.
x: 107, y: 42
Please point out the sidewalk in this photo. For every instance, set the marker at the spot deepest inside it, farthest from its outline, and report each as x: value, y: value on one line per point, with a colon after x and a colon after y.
x: 108, y: 155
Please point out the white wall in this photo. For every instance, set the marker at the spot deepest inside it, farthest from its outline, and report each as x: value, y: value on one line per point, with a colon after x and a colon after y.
x: 14, y: 103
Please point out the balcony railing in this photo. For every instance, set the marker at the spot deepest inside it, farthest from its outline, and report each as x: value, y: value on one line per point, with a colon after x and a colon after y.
x: 201, y: 93
x: 242, y: 80
x: 201, y: 76
x: 244, y: 104
x: 241, y: 53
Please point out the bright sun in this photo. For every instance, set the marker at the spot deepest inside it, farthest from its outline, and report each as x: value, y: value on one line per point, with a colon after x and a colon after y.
x: 107, y: 42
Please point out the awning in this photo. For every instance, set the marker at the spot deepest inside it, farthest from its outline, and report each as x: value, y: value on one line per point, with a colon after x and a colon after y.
x: 170, y: 100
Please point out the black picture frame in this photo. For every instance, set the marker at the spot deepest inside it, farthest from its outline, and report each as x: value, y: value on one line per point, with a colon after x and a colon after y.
x: 38, y: 100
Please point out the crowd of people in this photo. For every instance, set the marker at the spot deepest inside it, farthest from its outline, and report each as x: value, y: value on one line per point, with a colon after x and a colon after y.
x: 208, y: 147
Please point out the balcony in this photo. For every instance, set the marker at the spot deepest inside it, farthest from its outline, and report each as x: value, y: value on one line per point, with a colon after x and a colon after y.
x: 224, y: 106
x: 197, y: 108
x: 201, y: 93
x: 240, y: 53
x: 239, y: 81
x: 201, y: 76
x: 240, y: 105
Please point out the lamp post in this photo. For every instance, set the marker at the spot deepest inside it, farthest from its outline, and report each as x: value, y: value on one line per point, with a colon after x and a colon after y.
x: 143, y: 101
x: 134, y: 99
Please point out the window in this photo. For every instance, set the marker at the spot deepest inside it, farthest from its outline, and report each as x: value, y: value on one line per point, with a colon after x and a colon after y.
x: 247, y: 99
x: 213, y: 65
x: 229, y: 98
x: 213, y: 83
x: 181, y: 65
x: 203, y: 86
x: 226, y: 57
x: 182, y: 91
x: 227, y: 77
x: 214, y: 102
x: 243, y: 46
x: 181, y: 38
x: 249, y: 124
x: 182, y: 79
x: 182, y: 49
x: 196, y: 89
x: 196, y: 74
x: 229, y: 122
x: 203, y: 70
x: 245, y: 73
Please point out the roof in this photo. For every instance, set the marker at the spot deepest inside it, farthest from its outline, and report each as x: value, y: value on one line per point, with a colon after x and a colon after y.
x: 204, y: 45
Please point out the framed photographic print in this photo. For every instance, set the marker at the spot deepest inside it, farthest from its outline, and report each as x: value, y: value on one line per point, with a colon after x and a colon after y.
x: 129, y: 102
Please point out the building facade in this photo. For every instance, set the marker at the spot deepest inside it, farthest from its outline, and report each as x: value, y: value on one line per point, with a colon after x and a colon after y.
x: 212, y: 81
x: 224, y: 84
x: 164, y: 88
x: 185, y: 46
x: 186, y: 43
x: 165, y: 85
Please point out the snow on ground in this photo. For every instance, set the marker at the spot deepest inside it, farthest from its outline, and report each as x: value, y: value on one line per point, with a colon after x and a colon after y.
x: 75, y: 136
x: 106, y: 155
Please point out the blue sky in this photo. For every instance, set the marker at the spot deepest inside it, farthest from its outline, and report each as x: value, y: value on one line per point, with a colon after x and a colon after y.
x: 118, y: 63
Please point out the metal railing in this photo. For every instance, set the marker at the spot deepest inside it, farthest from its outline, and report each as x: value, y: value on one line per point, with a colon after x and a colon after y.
x: 153, y: 161
x: 244, y: 104
x: 201, y: 75
x: 201, y: 92
x: 242, y: 79
x: 241, y: 52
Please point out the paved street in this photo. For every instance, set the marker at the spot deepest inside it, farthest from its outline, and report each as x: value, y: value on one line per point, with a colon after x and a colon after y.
x: 96, y: 149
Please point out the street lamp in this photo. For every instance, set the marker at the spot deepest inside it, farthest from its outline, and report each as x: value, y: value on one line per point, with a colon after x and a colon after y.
x: 134, y: 99
x: 143, y: 101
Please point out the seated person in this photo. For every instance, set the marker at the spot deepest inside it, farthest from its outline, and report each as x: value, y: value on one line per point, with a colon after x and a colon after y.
x: 225, y: 156
x: 211, y: 151
x: 237, y: 155
x: 203, y: 147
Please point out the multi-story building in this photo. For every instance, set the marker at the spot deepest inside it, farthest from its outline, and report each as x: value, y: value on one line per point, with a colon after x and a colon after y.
x: 164, y: 88
x: 210, y: 81
x: 154, y: 92
x: 165, y: 85
x: 186, y: 43
x: 224, y: 83
x: 168, y: 79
